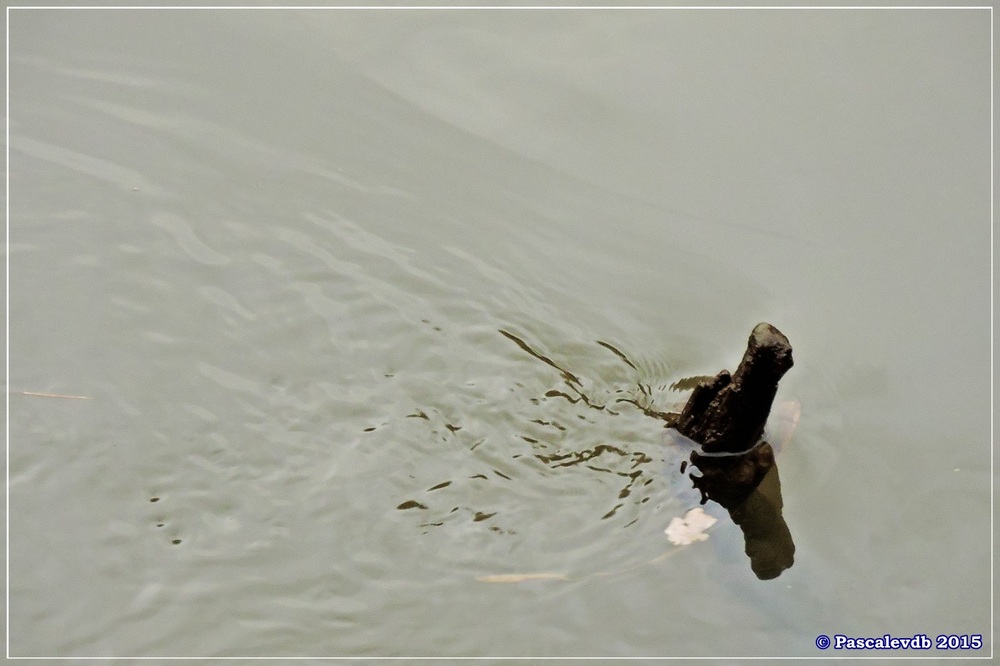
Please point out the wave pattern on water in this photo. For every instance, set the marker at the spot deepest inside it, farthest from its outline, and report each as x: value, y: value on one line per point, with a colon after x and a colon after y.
x: 345, y: 359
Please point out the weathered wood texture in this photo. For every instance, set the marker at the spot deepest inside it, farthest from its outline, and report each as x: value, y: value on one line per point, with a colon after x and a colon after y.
x: 728, y: 413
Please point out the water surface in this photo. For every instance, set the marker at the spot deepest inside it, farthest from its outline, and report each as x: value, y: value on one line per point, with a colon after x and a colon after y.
x: 371, y: 306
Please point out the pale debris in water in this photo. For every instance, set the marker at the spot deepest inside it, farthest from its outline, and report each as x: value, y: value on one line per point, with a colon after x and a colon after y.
x: 690, y: 528
x: 520, y: 578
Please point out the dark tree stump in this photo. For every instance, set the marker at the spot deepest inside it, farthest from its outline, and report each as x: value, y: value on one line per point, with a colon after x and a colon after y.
x: 726, y: 416
x: 728, y: 413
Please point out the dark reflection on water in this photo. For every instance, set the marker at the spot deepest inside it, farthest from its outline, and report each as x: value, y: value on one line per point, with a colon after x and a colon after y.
x: 747, y: 485
x: 768, y: 539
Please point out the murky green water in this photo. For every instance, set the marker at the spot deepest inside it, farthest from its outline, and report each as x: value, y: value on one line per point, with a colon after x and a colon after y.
x: 368, y: 306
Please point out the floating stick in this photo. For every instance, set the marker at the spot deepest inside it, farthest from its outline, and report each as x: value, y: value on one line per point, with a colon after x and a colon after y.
x: 55, y: 395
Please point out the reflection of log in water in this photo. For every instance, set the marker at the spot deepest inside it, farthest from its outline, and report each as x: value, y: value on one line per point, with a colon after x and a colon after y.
x: 768, y: 540
x: 747, y: 485
x: 726, y: 416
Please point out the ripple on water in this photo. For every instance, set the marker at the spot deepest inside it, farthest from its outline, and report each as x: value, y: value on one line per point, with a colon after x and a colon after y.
x: 538, y: 462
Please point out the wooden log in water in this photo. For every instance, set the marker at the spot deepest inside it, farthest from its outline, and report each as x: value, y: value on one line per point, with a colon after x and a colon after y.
x: 727, y: 414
